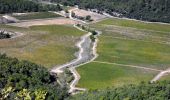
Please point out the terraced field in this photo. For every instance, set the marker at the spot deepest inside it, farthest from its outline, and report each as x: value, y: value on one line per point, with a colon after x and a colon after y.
x: 47, y: 45
x: 136, y: 24
x: 36, y: 15
x: 129, y: 52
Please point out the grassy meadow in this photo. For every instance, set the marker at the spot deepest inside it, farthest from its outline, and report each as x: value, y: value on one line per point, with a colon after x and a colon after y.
x: 127, y: 42
x: 98, y: 76
x: 48, y: 45
x: 134, y: 52
x: 136, y: 24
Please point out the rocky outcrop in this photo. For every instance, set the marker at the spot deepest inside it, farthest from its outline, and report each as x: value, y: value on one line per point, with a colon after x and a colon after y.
x: 8, y: 19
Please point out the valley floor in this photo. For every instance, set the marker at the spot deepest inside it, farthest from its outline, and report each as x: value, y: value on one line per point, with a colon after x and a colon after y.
x: 129, y: 52
x: 48, y: 45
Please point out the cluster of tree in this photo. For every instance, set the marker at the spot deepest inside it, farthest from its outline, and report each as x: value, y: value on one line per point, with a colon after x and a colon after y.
x: 9, y: 6
x: 143, y: 91
x: 69, y: 76
x: 151, y: 10
x: 86, y: 18
x: 4, y: 35
x: 92, y: 31
x: 66, y: 77
x: 23, y: 80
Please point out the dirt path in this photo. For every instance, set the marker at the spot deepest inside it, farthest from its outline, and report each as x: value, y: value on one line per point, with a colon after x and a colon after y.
x: 86, y: 54
x: 84, y: 39
x: 140, y: 67
x: 75, y: 73
x: 156, y: 78
x: 160, y: 75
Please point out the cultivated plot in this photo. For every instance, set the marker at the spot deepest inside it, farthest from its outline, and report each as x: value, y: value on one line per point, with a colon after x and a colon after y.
x: 136, y: 49
x: 55, y: 21
x: 35, y: 15
x: 136, y: 24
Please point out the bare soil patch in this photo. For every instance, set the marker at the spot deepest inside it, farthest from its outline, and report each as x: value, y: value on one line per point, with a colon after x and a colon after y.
x: 84, y: 13
x: 56, y: 21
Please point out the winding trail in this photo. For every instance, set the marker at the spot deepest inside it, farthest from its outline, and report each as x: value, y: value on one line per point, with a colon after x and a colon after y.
x: 75, y: 73
x: 74, y: 62
x: 86, y: 54
x: 133, y: 66
x: 160, y: 75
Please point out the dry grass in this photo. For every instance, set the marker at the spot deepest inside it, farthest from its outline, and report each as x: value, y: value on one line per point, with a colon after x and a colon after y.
x: 56, y: 21
x: 46, y: 45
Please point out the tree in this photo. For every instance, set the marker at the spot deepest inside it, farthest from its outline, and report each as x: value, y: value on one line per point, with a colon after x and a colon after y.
x: 4, y: 35
x: 88, y: 17
x: 150, y: 10
x: 10, y: 6
x: 40, y: 94
x: 23, y: 95
x: 5, y: 92
x: 66, y: 11
x: 94, y: 32
x: 142, y: 91
x: 25, y: 80
x: 73, y: 14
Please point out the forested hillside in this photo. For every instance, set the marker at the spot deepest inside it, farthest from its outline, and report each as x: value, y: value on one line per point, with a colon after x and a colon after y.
x: 144, y: 91
x: 23, y: 80
x: 151, y: 10
x: 9, y: 6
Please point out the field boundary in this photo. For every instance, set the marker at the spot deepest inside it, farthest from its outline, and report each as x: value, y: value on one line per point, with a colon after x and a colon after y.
x: 133, y: 66
x: 161, y: 42
x: 109, y: 25
x: 41, y: 19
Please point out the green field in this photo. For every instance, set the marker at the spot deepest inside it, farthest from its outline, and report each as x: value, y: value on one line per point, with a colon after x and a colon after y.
x: 36, y: 15
x: 48, y: 45
x: 136, y: 24
x: 165, y: 78
x: 129, y: 43
x: 134, y: 52
x: 98, y: 76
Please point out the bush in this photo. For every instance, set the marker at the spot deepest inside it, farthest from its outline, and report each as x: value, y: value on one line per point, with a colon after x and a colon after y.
x: 143, y: 91
x: 4, y: 35
x: 16, y: 76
